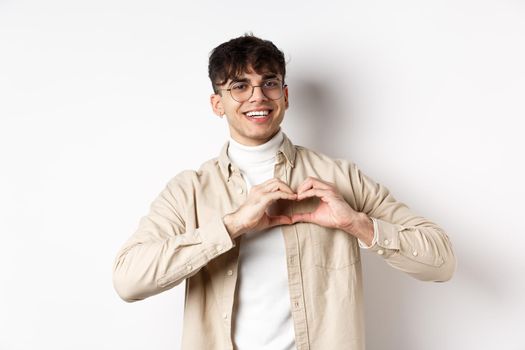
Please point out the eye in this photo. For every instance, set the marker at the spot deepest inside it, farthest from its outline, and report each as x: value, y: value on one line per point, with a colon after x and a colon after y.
x: 271, y: 84
x: 239, y: 87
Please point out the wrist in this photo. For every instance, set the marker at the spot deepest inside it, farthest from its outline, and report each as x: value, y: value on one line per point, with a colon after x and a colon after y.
x: 362, y: 228
x: 231, y: 225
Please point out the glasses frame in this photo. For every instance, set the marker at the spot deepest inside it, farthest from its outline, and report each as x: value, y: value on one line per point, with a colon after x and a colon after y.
x: 283, y: 85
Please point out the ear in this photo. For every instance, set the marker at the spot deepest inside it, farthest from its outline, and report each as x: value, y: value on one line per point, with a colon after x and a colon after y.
x: 286, y: 97
x: 216, y: 104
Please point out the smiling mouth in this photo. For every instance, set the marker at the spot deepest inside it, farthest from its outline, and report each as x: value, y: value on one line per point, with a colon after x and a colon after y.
x: 258, y: 114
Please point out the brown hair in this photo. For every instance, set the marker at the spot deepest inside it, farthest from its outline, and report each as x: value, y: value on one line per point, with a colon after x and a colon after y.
x: 231, y: 59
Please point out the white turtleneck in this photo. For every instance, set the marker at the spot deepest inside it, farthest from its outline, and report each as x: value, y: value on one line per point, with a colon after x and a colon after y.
x: 263, y: 319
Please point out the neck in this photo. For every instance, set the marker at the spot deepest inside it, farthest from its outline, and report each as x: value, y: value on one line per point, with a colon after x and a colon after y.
x: 246, y: 156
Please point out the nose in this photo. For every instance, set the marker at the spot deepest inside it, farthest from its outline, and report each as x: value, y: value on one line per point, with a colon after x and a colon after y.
x: 258, y: 94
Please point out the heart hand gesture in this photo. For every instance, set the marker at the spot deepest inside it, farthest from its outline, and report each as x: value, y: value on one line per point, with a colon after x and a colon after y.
x: 333, y: 211
x: 253, y: 215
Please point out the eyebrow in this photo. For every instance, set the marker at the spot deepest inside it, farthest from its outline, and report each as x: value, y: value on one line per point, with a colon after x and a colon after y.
x: 265, y: 76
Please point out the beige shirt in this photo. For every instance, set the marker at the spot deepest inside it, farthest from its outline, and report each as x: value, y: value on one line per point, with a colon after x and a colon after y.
x: 183, y: 238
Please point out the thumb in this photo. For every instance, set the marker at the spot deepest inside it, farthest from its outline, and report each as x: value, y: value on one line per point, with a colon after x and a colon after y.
x: 302, y: 217
x: 279, y: 220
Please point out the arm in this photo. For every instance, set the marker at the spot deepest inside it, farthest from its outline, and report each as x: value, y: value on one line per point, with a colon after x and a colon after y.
x: 162, y: 252
x: 407, y: 242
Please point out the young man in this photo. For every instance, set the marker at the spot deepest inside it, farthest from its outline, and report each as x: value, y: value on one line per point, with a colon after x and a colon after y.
x: 267, y: 235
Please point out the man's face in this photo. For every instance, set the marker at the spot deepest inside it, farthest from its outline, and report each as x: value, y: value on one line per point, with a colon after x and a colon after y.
x: 246, y: 128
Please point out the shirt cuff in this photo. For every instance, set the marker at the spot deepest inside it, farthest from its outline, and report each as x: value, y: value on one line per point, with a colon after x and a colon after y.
x: 388, y: 235
x: 215, y: 237
x: 386, y: 238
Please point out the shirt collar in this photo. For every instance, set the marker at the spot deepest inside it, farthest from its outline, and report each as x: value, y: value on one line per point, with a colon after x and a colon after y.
x: 287, y: 149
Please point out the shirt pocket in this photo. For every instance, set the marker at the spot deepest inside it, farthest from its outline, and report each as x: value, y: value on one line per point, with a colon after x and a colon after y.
x: 332, y: 248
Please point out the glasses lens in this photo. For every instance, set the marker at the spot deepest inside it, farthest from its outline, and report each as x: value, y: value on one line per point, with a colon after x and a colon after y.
x: 241, y: 91
x: 273, y: 89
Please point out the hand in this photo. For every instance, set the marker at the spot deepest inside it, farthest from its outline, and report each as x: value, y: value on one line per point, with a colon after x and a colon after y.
x: 252, y: 214
x: 333, y: 211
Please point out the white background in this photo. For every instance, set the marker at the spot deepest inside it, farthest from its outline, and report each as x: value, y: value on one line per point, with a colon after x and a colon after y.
x: 103, y: 101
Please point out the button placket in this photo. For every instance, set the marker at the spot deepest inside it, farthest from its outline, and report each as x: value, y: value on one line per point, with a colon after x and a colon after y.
x: 230, y: 280
x: 295, y: 281
x: 295, y: 285
x: 239, y: 186
x: 292, y: 260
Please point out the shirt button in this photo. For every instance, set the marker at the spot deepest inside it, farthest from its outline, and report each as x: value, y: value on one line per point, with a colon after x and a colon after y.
x: 229, y: 272
x: 386, y: 242
x: 414, y: 253
x: 380, y: 252
x: 240, y: 190
x: 225, y: 316
x: 189, y: 267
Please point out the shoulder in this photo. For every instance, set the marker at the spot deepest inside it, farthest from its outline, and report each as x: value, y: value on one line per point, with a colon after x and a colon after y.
x: 305, y: 155
x: 188, y: 180
x: 345, y: 173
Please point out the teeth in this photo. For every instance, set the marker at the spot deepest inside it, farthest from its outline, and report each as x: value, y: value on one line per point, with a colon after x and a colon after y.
x: 257, y: 113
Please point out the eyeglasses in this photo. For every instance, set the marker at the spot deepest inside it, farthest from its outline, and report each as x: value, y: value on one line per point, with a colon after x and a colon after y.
x: 242, y: 91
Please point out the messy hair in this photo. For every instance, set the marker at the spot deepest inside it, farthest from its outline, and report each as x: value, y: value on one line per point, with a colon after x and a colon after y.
x: 231, y: 59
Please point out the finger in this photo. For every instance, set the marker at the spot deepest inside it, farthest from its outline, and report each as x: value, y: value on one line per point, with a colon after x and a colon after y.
x: 277, y: 185
x: 302, y: 217
x: 312, y: 182
x: 279, y: 220
x: 270, y: 185
x: 271, y: 197
x: 323, y: 194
